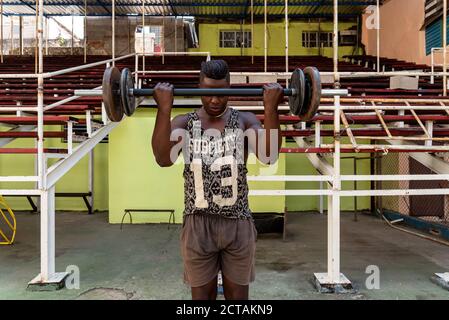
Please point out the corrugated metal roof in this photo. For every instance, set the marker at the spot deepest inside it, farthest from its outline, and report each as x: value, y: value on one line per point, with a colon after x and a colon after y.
x: 200, y: 8
x: 433, y: 11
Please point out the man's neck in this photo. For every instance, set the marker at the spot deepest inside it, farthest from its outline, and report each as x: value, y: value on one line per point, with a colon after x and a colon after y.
x: 214, y: 118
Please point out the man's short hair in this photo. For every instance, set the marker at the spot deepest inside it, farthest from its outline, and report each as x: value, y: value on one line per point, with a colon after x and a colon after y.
x: 215, y: 69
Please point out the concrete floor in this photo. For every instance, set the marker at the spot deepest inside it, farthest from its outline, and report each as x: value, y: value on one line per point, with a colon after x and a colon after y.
x: 143, y: 261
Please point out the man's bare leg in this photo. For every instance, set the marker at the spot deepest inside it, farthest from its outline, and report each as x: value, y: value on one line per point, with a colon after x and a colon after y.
x: 233, y: 291
x: 206, y: 292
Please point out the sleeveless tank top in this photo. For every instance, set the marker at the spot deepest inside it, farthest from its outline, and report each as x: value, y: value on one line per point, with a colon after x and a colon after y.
x: 215, y: 172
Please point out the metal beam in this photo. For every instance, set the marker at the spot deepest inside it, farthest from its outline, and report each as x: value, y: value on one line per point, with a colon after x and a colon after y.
x: 318, y: 161
x: 63, y: 27
x: 230, y: 16
x: 56, y: 171
x: 317, y: 4
x: 100, y: 3
x: 23, y: 3
x: 172, y: 7
x: 245, y: 9
x: 315, y: 9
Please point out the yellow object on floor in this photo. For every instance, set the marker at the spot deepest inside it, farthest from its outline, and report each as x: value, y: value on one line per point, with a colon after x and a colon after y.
x: 11, y: 222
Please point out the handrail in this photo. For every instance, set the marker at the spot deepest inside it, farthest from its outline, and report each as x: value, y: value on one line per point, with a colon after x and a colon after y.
x: 63, y: 71
x: 85, y: 66
x: 175, y: 53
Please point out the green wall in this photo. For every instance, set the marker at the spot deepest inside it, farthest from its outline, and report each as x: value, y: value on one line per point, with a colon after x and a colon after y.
x: 209, y: 36
x: 76, y: 180
x: 137, y: 182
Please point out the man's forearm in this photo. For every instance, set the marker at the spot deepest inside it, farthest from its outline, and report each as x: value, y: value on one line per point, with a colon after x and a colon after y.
x: 161, y: 137
x: 271, y: 122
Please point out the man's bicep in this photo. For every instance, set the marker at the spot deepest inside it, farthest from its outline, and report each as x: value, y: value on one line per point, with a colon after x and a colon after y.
x: 252, y: 127
x: 252, y: 122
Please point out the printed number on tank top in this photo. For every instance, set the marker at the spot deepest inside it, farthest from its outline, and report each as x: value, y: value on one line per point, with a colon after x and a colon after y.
x: 196, y: 167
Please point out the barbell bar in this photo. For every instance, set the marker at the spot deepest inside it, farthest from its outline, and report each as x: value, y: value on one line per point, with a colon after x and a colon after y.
x: 193, y: 92
x: 182, y: 92
x: 119, y: 94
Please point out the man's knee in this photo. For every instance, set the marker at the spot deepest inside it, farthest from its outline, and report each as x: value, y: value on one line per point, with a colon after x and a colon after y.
x: 206, y: 292
x: 233, y: 291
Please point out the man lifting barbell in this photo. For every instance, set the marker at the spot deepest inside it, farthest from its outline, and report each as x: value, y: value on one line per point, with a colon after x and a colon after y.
x: 218, y: 231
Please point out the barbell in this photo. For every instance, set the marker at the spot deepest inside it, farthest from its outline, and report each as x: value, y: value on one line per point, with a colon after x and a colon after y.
x: 119, y: 94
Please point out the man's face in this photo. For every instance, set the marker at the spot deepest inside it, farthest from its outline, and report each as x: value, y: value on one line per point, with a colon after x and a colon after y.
x: 213, y: 105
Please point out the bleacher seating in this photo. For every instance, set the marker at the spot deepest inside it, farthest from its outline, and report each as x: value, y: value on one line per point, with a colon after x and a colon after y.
x: 22, y: 91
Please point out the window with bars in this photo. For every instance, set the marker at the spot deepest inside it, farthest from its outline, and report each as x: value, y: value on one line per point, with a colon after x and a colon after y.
x: 315, y: 39
x: 235, y: 39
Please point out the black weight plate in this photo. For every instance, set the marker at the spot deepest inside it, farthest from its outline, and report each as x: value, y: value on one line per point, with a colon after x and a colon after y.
x: 111, y: 95
x: 128, y: 101
x: 313, y: 93
x: 297, y: 82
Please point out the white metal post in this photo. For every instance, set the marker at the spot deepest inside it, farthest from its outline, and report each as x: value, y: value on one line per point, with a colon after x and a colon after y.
x: 335, y: 43
x: 444, y: 48
x: 47, y: 234
x: 1, y: 29
x: 113, y: 32
x: 176, y: 34
x: 36, y: 172
x: 429, y: 128
x: 70, y: 137
x: 89, y: 123
x: 163, y: 37
x: 40, y: 98
x: 85, y: 31
x: 378, y: 35
x: 143, y: 35
x: 333, y: 218
x: 400, y: 124
x: 252, y: 32
x: 91, y: 178
x: 286, y: 35
x: 71, y: 42
x: 317, y: 145
x: 104, y: 117
x: 432, y: 66
x: 46, y: 36
x: 136, y: 69
x: 21, y: 35
x: 128, y: 22
x: 333, y: 281
x: 265, y: 40
x: 11, y: 50
x: 36, y: 46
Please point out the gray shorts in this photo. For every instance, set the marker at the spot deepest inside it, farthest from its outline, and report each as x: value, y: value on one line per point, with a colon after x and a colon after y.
x: 213, y: 243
